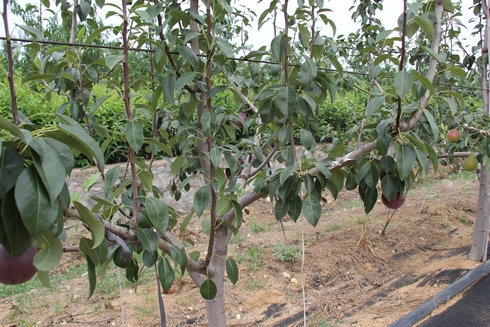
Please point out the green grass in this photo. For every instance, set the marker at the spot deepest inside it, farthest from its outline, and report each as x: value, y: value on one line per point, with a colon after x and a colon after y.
x: 287, y: 253
x: 352, y: 203
x: 256, y: 227
x: 252, y: 257
x: 464, y: 175
x: 333, y: 227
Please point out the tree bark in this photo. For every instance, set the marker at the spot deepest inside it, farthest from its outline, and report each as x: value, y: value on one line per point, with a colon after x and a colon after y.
x: 479, y: 247
x: 480, y: 236
x: 215, y: 308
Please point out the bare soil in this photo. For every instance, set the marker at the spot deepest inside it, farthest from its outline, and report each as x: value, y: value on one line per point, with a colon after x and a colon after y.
x: 351, y: 276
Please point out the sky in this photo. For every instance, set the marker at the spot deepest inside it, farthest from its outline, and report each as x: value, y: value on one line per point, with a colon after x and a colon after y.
x: 340, y: 15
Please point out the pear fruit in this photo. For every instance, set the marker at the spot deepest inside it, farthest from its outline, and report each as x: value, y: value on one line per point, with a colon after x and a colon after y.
x: 470, y: 163
x: 17, y: 270
x: 395, y: 203
x: 453, y: 136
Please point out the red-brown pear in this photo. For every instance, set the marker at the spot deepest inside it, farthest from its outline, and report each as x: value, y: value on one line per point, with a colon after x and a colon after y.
x: 395, y: 203
x: 17, y: 270
x: 453, y: 136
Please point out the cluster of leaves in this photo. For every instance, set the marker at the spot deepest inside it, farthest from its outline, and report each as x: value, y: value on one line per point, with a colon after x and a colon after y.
x: 33, y: 197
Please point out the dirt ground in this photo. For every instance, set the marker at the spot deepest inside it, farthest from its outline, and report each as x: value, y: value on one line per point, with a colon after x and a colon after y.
x: 352, y: 275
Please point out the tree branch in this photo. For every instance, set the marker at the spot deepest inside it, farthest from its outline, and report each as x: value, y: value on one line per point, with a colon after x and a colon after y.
x: 431, y: 73
x: 10, y: 62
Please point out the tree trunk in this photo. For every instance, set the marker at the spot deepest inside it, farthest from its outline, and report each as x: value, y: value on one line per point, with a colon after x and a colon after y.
x: 480, y: 236
x: 215, y: 308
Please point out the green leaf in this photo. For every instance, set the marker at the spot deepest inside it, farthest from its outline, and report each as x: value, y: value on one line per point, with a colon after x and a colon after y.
x: 422, y: 160
x: 390, y: 186
x: 295, y: 206
x: 369, y: 196
x: 286, y: 173
x: 33, y: 31
x: 99, y: 254
x: 431, y: 53
x: 207, y: 121
x: 308, y: 71
x: 232, y: 270
x: 403, y: 82
x: 64, y: 151
x: 94, y: 34
x: 231, y: 161
x: 433, y: 156
x: 426, y: 25
x: 432, y: 123
x: 307, y: 139
x: 149, y: 258
x: 134, y: 133
x: 351, y: 180
x: 372, y: 176
x: 425, y: 82
x: 373, y: 105
x: 217, y: 90
x: 223, y: 206
x: 281, y: 208
x: 165, y: 273
x: 92, y: 276
x: 304, y: 35
x: 132, y: 270
x: 208, y: 289
x: 79, y: 140
x: 333, y: 59
x: 43, y: 277
x: 148, y: 238
x: 384, y: 138
x: 448, y: 5
x: 35, y: 207
x: 405, y: 160
x: 179, y: 256
x: 111, y: 177
x: 11, y: 166
x: 323, y: 168
x: 387, y: 163
x: 363, y: 171
x: 49, y: 253
x: 186, y: 221
x: 215, y: 156
x: 201, y: 200
x: 190, y: 56
x: 278, y: 45
x: 287, y: 101
x: 121, y: 258
x: 83, y: 9
x: 48, y: 166
x: 16, y: 239
x: 238, y: 213
x: 452, y: 105
x: 112, y: 61
x: 146, y: 178
x: 338, y: 182
x: 169, y: 87
x: 312, y: 209
x: 184, y: 80
x: 93, y: 222
x: 284, y: 134
x: 157, y: 211
x: 14, y: 130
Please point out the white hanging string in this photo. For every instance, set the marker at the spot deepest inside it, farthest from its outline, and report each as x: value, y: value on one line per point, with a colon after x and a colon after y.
x: 120, y: 295
x: 302, y: 269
